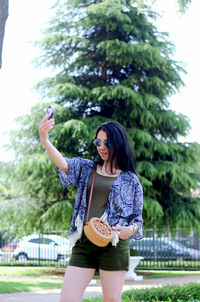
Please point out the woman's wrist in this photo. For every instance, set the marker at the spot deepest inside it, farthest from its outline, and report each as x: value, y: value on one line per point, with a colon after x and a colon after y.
x: 134, y: 229
x: 44, y: 140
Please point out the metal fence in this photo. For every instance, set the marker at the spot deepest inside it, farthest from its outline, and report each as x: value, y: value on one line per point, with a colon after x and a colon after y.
x: 168, y: 251
x: 159, y: 250
x: 49, y: 249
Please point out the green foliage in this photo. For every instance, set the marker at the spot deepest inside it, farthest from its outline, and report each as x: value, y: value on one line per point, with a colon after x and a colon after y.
x: 172, y: 293
x: 6, y: 176
x: 183, y: 5
x: 35, y: 187
x: 3, y: 192
x: 45, y: 204
x: 6, y: 169
x: 20, y: 216
x: 134, y: 252
x: 110, y: 63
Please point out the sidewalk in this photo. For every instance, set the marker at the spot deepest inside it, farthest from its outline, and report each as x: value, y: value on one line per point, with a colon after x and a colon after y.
x: 95, y: 290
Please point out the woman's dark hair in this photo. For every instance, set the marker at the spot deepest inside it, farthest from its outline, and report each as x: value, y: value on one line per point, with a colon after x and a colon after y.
x: 121, y: 154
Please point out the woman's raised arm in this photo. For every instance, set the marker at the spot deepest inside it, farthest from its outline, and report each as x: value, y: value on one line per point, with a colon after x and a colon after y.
x: 44, y: 127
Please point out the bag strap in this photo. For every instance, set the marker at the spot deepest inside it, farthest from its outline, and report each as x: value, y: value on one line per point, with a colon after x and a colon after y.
x: 90, y: 198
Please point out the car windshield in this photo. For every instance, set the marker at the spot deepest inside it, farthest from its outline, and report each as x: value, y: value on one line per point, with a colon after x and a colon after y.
x: 61, y: 240
x: 158, y: 242
x: 175, y: 244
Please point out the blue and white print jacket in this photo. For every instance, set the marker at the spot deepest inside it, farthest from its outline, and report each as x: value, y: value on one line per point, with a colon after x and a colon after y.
x: 125, y: 201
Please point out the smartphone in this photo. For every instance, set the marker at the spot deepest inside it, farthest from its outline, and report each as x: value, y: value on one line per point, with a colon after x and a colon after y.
x: 51, y: 110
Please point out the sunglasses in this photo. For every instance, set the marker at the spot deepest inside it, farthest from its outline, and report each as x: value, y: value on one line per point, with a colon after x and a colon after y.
x: 98, y: 143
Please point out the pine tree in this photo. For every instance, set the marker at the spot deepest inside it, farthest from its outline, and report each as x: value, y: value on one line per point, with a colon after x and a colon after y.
x: 111, y: 63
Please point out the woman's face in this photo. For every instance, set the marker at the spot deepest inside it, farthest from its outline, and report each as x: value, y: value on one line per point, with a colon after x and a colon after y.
x: 102, y: 149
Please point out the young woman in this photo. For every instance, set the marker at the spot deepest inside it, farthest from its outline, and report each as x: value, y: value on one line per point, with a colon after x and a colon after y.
x: 117, y: 199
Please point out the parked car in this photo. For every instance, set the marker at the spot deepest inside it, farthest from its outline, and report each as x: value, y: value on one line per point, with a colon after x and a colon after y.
x: 10, y: 247
x: 163, y: 249
x: 43, y: 247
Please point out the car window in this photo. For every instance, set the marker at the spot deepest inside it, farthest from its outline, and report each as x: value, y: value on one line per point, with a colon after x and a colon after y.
x: 35, y: 240
x: 49, y: 241
x: 147, y: 243
x: 144, y: 243
x: 161, y: 244
x: 176, y: 245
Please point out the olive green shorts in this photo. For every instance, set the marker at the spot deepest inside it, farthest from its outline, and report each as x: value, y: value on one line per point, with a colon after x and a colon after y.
x: 110, y: 258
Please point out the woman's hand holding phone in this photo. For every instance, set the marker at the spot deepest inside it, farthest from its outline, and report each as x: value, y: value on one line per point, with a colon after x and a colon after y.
x: 46, y: 124
x: 44, y: 127
x: 50, y: 112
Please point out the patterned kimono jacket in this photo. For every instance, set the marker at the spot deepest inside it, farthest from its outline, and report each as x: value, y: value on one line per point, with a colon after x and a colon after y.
x: 124, y: 205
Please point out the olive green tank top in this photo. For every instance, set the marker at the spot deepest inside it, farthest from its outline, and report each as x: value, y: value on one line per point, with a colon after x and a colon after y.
x: 100, y: 194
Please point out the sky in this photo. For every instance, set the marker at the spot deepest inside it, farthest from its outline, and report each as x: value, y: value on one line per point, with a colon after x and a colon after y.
x: 18, y: 75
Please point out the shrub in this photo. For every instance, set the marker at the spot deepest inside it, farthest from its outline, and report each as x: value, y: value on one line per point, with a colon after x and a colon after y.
x: 134, y: 252
x: 172, y: 293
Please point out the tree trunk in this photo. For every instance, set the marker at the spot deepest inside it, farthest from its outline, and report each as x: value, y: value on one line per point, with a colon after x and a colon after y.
x: 3, y: 18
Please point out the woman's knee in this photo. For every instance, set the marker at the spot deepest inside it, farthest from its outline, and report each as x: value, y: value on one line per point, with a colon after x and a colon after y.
x: 112, y: 285
x: 112, y: 297
x: 67, y: 298
x: 74, y: 284
x: 63, y: 299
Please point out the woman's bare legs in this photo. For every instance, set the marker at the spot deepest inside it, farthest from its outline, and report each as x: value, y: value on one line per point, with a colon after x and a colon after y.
x: 75, y: 282
x: 112, y: 285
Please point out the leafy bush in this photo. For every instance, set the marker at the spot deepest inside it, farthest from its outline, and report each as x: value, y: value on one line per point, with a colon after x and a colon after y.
x: 172, y: 293
x: 134, y: 252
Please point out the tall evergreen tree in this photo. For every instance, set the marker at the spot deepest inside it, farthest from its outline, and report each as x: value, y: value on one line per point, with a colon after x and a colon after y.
x: 182, y: 4
x: 111, y: 63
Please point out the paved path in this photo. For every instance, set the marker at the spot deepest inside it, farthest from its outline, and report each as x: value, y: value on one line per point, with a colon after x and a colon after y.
x: 94, y: 290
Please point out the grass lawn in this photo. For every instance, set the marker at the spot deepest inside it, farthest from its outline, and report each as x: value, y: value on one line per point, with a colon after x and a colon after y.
x: 31, y: 271
x: 40, y: 278
x: 149, y: 274
x: 49, y: 271
x: 16, y: 283
x: 22, y: 285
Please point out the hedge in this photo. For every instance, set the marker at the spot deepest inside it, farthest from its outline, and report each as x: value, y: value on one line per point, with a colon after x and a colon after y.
x: 168, y: 293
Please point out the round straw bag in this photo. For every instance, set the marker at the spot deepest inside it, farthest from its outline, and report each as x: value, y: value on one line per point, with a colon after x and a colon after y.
x: 97, y: 230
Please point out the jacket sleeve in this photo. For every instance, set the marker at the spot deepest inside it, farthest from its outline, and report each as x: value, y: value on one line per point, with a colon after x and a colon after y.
x: 136, y: 217
x: 75, y: 169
